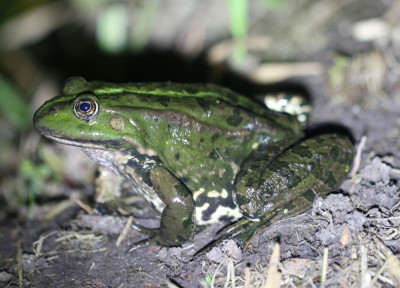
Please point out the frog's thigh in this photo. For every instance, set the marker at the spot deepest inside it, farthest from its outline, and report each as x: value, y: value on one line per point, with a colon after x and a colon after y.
x: 253, y: 168
x: 177, y: 219
x: 292, y: 180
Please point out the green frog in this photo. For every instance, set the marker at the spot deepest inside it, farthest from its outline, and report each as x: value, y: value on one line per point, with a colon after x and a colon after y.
x: 198, y: 153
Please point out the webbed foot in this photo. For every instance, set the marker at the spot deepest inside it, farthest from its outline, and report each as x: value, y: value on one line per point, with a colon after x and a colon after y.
x: 154, y: 238
x: 241, y: 232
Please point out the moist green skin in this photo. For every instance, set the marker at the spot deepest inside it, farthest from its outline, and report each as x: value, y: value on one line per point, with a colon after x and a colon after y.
x: 199, y: 154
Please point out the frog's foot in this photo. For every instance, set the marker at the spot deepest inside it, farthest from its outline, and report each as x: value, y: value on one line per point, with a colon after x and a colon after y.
x: 154, y: 238
x: 159, y: 236
x: 241, y: 231
x: 152, y: 241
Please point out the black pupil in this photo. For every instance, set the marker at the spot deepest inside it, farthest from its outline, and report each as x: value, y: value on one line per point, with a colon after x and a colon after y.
x: 84, y: 107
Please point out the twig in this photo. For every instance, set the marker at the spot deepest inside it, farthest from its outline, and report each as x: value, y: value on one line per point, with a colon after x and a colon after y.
x: 357, y: 158
x: 124, y: 231
x: 324, y: 267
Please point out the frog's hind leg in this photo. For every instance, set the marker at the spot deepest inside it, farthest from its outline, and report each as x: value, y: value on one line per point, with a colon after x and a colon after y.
x: 290, y: 183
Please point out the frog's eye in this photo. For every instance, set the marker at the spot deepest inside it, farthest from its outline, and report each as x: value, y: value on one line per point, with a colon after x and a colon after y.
x: 85, y: 107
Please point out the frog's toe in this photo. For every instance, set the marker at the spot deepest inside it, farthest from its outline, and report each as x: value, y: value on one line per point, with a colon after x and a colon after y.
x: 239, y: 241
x: 238, y: 232
x: 151, y: 241
x: 144, y: 230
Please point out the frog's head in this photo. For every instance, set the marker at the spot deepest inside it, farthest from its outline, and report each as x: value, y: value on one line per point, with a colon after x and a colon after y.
x: 82, y: 117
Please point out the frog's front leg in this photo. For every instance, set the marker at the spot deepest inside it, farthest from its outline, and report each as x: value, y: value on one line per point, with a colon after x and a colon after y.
x: 177, y: 219
x: 289, y: 184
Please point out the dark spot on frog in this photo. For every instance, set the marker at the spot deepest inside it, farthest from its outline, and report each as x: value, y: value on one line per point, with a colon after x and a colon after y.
x: 334, y: 153
x: 233, y: 96
x: 207, y: 214
x: 228, y: 186
x: 214, y: 137
x: 303, y: 151
x: 226, y: 219
x: 191, y: 91
x: 331, y: 180
x: 339, y: 156
x: 289, y: 206
x: 213, y: 154
x: 52, y: 109
x: 240, y: 198
x: 181, y: 190
x: 81, y: 127
x: 319, y: 139
x: 138, y: 163
x: 181, y: 239
x: 248, y: 181
x: 145, y: 99
x: 162, y: 225
x: 235, y: 119
x: 204, y: 181
x: 283, y: 169
x: 177, y: 156
x: 203, y: 103
x: 201, y: 139
x: 316, y: 171
x: 153, y: 206
x: 163, y: 100
x: 187, y: 222
x: 309, y: 195
x: 226, y: 202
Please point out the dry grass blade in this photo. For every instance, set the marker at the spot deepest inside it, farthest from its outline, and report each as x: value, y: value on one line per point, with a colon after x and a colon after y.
x: 275, y: 72
x: 274, y: 277
x: 324, y: 267
x: 84, y: 206
x: 357, y: 158
x: 391, y: 265
x: 59, y: 208
x: 394, y: 268
x: 124, y: 232
x: 364, y: 266
x: 20, y: 263
x: 247, y: 275
x: 37, y: 246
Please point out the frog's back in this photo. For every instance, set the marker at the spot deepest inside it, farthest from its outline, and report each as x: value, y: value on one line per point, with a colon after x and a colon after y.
x: 206, y: 103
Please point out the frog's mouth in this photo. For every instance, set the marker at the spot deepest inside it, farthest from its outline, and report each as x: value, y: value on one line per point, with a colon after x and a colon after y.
x: 86, y: 144
x: 97, y: 144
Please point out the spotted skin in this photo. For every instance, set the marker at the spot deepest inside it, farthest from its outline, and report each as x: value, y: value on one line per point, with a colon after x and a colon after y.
x: 298, y: 173
x: 198, y: 153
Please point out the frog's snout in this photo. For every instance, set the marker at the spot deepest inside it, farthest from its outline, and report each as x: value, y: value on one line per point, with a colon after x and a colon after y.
x: 39, y: 118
